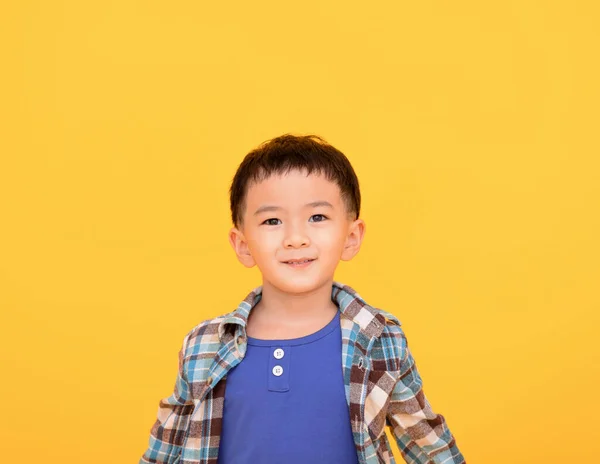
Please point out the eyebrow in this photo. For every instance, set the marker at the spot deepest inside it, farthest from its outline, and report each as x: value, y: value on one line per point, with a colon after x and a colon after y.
x: 314, y: 204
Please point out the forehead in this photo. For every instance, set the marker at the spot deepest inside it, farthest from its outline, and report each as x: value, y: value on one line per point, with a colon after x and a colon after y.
x: 292, y: 189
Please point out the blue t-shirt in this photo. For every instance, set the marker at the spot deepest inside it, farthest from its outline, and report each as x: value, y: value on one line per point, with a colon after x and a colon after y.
x: 285, y: 402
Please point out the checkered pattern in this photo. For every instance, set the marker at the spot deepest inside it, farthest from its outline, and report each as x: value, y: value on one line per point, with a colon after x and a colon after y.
x: 382, y: 387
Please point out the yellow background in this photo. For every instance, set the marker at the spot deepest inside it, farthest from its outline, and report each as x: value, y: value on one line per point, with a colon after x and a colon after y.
x: 473, y: 128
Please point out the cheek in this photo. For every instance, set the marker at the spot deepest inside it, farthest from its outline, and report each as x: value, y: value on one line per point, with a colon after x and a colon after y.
x: 263, y: 243
x: 330, y: 242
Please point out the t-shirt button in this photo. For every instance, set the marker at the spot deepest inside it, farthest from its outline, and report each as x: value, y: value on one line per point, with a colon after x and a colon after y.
x: 277, y: 370
x: 278, y: 353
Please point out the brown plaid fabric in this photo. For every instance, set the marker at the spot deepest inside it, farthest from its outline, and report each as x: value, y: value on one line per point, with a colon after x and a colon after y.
x: 382, y: 386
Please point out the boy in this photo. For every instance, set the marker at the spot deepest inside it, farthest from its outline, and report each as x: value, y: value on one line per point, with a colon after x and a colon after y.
x: 304, y: 370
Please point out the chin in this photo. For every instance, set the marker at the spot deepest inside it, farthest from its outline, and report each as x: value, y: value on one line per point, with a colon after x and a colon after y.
x: 299, y: 285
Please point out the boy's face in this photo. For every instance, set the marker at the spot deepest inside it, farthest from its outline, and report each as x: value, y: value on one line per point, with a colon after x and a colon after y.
x: 296, y: 216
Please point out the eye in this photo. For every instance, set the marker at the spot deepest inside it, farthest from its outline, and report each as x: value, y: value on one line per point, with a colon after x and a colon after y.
x: 270, y: 219
x: 319, y: 216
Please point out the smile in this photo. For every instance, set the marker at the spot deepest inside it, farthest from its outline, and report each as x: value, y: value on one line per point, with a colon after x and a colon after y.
x: 299, y: 264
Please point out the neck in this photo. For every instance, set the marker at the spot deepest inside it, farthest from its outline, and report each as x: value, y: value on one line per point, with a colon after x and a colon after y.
x: 299, y: 306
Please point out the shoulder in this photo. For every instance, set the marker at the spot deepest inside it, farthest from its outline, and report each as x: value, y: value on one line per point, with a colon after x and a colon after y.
x: 391, y: 345
x: 390, y: 319
x: 204, y: 336
x: 392, y: 324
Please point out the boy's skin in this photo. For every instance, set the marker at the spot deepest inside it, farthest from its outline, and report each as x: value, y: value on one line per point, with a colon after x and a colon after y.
x: 296, y: 301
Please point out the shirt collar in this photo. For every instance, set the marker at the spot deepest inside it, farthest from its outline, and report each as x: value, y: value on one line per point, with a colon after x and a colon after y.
x: 349, y: 302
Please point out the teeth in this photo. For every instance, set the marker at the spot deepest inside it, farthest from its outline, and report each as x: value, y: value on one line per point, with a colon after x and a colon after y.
x: 299, y: 262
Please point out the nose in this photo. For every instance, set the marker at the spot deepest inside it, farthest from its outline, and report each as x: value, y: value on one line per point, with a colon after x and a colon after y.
x: 296, y: 238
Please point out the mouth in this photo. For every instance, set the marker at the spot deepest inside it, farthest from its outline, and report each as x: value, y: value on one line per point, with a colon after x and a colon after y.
x: 299, y: 263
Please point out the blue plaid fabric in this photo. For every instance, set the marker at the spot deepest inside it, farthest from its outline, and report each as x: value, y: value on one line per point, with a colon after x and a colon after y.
x: 382, y: 386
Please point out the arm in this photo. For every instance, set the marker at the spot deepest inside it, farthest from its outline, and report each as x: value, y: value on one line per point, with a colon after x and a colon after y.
x: 422, y: 435
x: 174, y: 411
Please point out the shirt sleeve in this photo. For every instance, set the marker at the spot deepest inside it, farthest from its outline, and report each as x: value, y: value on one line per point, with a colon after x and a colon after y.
x: 174, y: 412
x: 422, y: 435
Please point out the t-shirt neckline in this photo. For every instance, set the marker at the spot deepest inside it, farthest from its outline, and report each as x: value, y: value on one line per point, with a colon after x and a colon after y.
x: 300, y: 340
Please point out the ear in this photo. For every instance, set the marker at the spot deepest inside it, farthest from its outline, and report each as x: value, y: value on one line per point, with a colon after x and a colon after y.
x: 356, y: 233
x: 240, y: 246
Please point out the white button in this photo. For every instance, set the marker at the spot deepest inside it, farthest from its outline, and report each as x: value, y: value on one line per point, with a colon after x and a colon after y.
x: 277, y: 370
x: 278, y: 353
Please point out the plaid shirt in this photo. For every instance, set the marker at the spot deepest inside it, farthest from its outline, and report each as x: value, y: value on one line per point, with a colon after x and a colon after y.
x: 382, y: 386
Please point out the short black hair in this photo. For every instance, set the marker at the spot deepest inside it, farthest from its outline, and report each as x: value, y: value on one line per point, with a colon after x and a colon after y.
x: 287, y: 152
